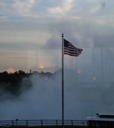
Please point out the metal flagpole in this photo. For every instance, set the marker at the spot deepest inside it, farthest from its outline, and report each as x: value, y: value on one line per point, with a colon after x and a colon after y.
x: 62, y: 80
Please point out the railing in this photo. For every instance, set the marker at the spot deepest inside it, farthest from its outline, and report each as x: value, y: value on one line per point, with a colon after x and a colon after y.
x: 29, y: 123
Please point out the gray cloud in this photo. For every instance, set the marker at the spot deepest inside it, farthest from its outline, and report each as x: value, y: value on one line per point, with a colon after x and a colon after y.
x: 62, y: 10
x: 104, y: 41
x: 52, y: 43
x: 17, y: 46
x: 24, y: 7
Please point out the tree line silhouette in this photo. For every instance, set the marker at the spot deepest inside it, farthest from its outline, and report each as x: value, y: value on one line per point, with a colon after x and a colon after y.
x: 13, y: 82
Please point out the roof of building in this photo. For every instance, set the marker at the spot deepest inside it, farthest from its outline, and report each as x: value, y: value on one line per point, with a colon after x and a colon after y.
x: 102, y: 117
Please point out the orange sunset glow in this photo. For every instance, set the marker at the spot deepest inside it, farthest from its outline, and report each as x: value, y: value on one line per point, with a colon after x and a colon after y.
x: 10, y: 70
x: 41, y: 66
x: 94, y: 78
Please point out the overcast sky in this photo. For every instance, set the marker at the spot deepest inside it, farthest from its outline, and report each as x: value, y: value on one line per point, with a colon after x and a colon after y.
x: 30, y: 33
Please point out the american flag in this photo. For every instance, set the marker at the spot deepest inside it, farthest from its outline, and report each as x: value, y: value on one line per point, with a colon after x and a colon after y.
x: 71, y: 50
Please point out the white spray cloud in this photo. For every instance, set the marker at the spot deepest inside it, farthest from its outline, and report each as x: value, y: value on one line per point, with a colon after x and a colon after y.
x: 43, y: 100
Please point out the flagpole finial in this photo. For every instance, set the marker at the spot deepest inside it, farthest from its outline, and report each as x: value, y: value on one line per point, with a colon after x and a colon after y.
x: 62, y: 35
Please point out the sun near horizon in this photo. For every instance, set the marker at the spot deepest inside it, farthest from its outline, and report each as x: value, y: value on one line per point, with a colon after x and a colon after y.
x: 41, y: 66
x: 10, y: 70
